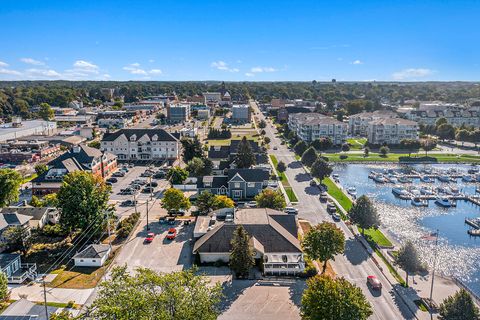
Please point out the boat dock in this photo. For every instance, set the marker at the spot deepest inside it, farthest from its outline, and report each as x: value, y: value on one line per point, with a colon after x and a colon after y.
x: 469, y: 198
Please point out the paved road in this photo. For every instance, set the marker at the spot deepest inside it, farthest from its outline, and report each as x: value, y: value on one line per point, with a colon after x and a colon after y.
x: 355, y: 265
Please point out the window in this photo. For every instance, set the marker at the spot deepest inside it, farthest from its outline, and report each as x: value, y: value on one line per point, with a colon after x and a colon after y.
x: 251, y: 185
x: 94, y: 260
x: 236, y: 185
x: 81, y: 260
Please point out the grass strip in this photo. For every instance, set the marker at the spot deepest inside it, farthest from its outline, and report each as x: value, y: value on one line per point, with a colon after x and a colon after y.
x: 337, y: 194
x: 291, y: 194
x: 376, y: 236
x: 402, y: 157
x: 390, y: 267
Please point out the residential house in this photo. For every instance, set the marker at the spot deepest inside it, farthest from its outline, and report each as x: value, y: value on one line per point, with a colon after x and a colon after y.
x: 12, y: 220
x: 24, y: 309
x: 79, y: 158
x: 358, y: 123
x: 273, y: 238
x: 16, y: 271
x: 142, y: 144
x: 455, y: 115
x: 93, y: 255
x: 391, y: 131
x: 313, y: 126
x: 40, y: 216
x: 223, y: 157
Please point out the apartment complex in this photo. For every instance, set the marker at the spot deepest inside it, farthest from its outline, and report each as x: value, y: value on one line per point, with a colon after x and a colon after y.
x: 455, y: 115
x: 178, y: 113
x: 391, y: 130
x: 241, y: 113
x: 358, y: 123
x: 141, y: 144
x: 312, y: 126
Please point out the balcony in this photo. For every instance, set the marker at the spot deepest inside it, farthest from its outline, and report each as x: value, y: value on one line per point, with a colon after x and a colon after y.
x: 26, y: 271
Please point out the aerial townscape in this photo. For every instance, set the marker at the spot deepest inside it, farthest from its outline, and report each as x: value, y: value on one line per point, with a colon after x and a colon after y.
x: 138, y: 193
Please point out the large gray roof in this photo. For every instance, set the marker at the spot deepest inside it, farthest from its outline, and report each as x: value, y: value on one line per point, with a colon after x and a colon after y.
x: 93, y: 251
x: 12, y: 220
x: 161, y: 134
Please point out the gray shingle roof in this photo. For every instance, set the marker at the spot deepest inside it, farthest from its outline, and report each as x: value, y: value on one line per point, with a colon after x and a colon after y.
x: 93, y: 251
x: 12, y: 220
x: 162, y: 134
x: 250, y: 175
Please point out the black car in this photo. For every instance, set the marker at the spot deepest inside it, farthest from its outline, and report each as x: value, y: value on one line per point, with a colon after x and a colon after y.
x: 153, y: 184
x: 112, y: 180
x: 146, y: 174
x: 128, y: 203
x: 147, y: 190
x: 159, y: 175
x: 323, y: 197
x: 135, y: 186
x: 118, y: 174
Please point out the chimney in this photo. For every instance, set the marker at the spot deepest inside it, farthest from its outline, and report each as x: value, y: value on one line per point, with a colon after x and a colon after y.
x: 76, y: 149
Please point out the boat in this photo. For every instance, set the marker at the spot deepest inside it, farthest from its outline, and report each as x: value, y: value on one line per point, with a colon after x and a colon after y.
x: 417, y: 202
x: 467, y: 178
x: 414, y: 191
x: 427, y: 191
x: 453, y: 179
x: 473, y: 232
x: 454, y: 191
x: 444, y: 202
x: 400, y: 192
x: 379, y: 178
x: 352, y: 191
x: 474, y: 222
x: 335, y: 177
x: 404, y: 179
x: 426, y: 179
x: 477, y: 189
x: 473, y: 171
x: 372, y: 174
x: 444, y: 178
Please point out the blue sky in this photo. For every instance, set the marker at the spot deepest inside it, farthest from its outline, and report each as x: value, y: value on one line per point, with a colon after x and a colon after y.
x: 240, y: 40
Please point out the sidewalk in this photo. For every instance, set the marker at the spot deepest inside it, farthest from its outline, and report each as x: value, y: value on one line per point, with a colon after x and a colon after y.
x: 34, y: 292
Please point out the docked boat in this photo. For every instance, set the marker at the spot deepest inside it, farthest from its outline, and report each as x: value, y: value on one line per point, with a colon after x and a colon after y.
x: 352, y: 191
x: 427, y: 191
x: 379, y: 178
x: 444, y: 178
x: 477, y: 189
x: 404, y: 179
x: 444, y: 202
x: 392, y: 179
x: 419, y: 202
x: 426, y: 179
x: 473, y: 171
x: 454, y: 191
x: 414, y: 191
x: 400, y: 192
x: 372, y: 174
x: 467, y: 178
x: 453, y: 179
x: 335, y: 176
x: 474, y: 232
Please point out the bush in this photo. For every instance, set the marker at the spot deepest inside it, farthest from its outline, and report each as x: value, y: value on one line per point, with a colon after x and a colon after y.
x: 343, y: 156
x: 53, y: 231
x: 126, y: 226
x: 70, y: 304
x: 310, y: 270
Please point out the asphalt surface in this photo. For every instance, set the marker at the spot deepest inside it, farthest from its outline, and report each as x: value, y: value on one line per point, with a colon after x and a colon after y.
x: 355, y: 264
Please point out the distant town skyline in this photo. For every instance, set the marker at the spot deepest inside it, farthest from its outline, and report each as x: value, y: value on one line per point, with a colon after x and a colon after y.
x: 240, y: 40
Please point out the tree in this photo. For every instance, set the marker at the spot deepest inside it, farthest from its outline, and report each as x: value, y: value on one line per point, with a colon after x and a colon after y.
x: 410, y: 145
x: 364, y: 214
x: 474, y: 137
x: 195, y: 167
x: 41, y: 168
x: 17, y: 238
x: 345, y: 147
x: 35, y: 202
x: 462, y: 135
x: 83, y: 199
x: 309, y: 157
x: 428, y: 145
x: 327, y: 298
x: 281, y: 167
x: 300, y: 147
x: 177, y: 175
x: 446, y: 131
x: 245, y: 157
x: 408, y: 259
x: 95, y: 144
x: 323, y: 242
x: 50, y: 200
x: 3, y: 286
x: 320, y: 169
x: 205, y: 202
x: 174, y: 200
x: 221, y: 201
x: 263, y: 133
x: 267, y: 140
x: 46, y: 112
x: 440, y: 121
x: 366, y: 152
x: 460, y: 306
x: 63, y: 315
x: 262, y: 124
x: 192, y: 148
x: 322, y: 144
x: 151, y: 295
x: 270, y: 199
x: 10, y: 182
x: 384, y: 151
x: 241, y: 256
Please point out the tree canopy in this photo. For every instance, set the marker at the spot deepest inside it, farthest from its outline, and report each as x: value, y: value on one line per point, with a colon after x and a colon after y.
x: 309, y: 157
x: 245, y: 157
x: 177, y: 175
x: 270, y: 199
x: 10, y: 182
x: 364, y: 213
x: 241, y: 256
x: 174, y: 200
x: 408, y: 259
x: 460, y: 306
x: 320, y: 169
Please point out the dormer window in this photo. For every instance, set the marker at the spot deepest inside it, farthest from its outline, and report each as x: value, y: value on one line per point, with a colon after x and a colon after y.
x: 155, y: 137
x: 133, y: 137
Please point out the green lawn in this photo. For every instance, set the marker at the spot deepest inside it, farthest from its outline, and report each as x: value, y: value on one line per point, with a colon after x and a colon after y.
x: 291, y: 194
x: 356, y: 144
x: 338, y: 194
x: 226, y: 142
x: 29, y: 178
x: 396, y: 157
x: 376, y: 236
x: 284, y: 180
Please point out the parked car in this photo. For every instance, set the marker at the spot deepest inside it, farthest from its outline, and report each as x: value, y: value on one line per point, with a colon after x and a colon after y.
x: 150, y: 237
x: 128, y: 203
x: 139, y: 182
x: 336, y: 217
x: 275, y: 148
x: 291, y: 210
x: 125, y: 169
x: 251, y: 204
x: 153, y: 184
x: 112, y: 180
x: 135, y: 186
x: 118, y: 174
x: 331, y: 208
x: 323, y: 197
x: 172, y: 233
x: 180, y: 212
x: 127, y: 191
x: 159, y: 175
x: 146, y: 174
x: 313, y: 183
x: 148, y: 190
x: 374, y: 283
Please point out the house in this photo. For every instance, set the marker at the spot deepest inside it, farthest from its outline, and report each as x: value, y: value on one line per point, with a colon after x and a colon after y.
x: 40, y: 215
x: 12, y: 219
x: 79, y: 158
x: 94, y: 255
x: 239, y: 184
x: 142, y: 144
x: 273, y: 237
x: 16, y: 271
x: 24, y: 309
x: 313, y: 126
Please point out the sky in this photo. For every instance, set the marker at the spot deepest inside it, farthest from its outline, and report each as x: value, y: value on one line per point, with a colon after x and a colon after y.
x: 234, y: 40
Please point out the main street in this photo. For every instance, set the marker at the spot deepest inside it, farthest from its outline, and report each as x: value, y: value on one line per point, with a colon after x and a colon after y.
x: 355, y: 264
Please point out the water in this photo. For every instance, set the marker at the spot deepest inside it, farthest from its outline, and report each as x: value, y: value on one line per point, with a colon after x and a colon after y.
x: 458, y: 253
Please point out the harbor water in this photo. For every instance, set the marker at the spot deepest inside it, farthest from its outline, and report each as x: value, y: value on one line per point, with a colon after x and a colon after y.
x: 458, y: 252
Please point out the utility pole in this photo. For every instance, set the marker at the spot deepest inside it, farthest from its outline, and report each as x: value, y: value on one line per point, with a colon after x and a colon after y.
x: 433, y: 273
x: 135, y: 202
x: 148, y: 227
x: 45, y: 297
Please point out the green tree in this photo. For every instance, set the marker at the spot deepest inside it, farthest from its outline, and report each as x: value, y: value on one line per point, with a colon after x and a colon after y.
x: 151, y: 295
x: 46, y: 112
x: 267, y: 140
x: 300, y: 147
x: 446, y: 131
x: 205, y: 202
x: 440, y: 121
x: 322, y: 144
x: 364, y: 214
x: 17, y: 238
x: 195, y: 166
x: 345, y: 147
x: 410, y: 145
x: 41, y: 168
x: 281, y: 167
x: 474, y: 137
x: 428, y: 145
x: 35, y: 202
x: 177, y: 175
x: 460, y: 306
x: 245, y: 157
x: 327, y: 298
x: 192, y: 148
x: 384, y: 151
x: 3, y: 286
x: 323, y: 242
x: 408, y: 259
x: 270, y: 199
x: 320, y: 169
x: 462, y: 135
x: 94, y: 144
x: 366, y: 152
x: 241, y: 256
x: 83, y: 199
x: 262, y: 124
x: 10, y: 182
x: 63, y: 315
x: 221, y: 201
x: 50, y: 200
x: 174, y: 200
x: 309, y: 157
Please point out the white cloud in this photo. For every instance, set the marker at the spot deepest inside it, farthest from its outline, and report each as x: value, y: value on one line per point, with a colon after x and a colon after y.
x: 222, y: 65
x: 135, y: 64
x: 412, y: 73
x: 357, y: 62
x: 9, y: 72
x: 249, y: 74
x: 32, y: 61
x: 262, y: 69
x: 155, y: 71
x: 85, y: 66
x: 151, y: 60
x: 3, y: 64
x: 42, y: 73
x: 134, y: 68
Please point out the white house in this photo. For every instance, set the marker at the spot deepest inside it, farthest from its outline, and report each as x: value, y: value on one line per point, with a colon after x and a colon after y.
x: 94, y: 255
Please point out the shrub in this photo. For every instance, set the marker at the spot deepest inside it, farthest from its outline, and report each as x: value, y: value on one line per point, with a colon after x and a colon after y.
x: 53, y: 230
x: 343, y: 156
x: 70, y: 304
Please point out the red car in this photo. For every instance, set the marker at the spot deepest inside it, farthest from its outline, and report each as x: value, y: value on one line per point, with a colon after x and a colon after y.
x: 374, y: 283
x: 150, y: 237
x: 172, y: 233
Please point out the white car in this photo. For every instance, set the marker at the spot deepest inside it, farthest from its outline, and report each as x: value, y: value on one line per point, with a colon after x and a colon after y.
x: 291, y: 210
